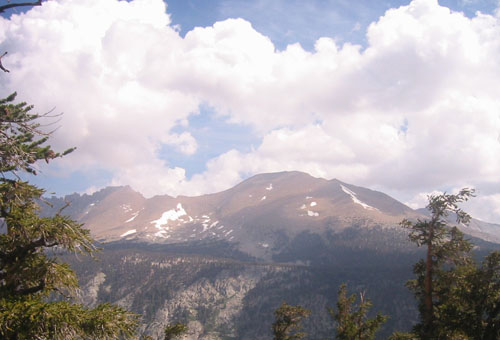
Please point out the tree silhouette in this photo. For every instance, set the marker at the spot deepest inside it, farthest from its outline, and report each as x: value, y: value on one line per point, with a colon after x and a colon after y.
x: 10, y: 5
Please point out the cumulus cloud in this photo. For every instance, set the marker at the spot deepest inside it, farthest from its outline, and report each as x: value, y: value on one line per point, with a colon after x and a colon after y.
x: 421, y: 199
x: 88, y: 59
x: 183, y: 142
x: 415, y: 110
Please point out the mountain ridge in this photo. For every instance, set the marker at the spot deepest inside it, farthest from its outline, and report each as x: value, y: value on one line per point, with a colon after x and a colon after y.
x: 254, y: 214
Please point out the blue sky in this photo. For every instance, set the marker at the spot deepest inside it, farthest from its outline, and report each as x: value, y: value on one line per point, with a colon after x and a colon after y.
x: 291, y: 21
x: 191, y: 97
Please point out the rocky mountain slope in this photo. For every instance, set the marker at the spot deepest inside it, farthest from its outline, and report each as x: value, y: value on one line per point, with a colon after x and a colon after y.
x: 223, y: 262
x: 255, y: 214
x: 229, y: 298
x: 251, y: 214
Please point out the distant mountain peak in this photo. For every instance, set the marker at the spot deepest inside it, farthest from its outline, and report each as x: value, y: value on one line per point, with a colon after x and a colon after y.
x: 252, y: 213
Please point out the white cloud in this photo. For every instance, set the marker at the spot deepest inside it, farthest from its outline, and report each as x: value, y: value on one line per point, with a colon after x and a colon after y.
x: 183, y: 142
x: 151, y: 178
x: 487, y: 207
x: 88, y: 58
x: 417, y: 109
x: 421, y: 199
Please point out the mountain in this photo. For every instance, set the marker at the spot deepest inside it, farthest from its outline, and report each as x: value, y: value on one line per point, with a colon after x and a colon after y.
x: 223, y: 262
x: 255, y: 214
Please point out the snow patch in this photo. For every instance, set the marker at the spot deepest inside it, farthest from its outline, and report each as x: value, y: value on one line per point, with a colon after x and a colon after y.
x: 134, y: 215
x: 355, y: 199
x: 265, y: 245
x: 303, y: 206
x: 312, y: 213
x: 130, y: 232
x: 313, y: 204
x: 263, y: 198
x: 270, y: 187
x: 170, y: 215
x: 308, y: 197
x: 160, y: 234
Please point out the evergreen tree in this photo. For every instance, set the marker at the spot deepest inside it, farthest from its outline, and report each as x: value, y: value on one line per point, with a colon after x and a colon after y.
x: 29, y: 271
x: 471, y: 306
x: 447, y: 252
x: 287, y: 322
x: 351, y: 321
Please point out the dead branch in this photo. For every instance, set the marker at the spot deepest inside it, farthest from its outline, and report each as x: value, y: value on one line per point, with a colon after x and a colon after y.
x: 20, y: 4
x: 1, y: 66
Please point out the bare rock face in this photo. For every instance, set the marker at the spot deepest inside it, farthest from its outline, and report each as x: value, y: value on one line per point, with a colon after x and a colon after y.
x: 222, y: 301
x: 88, y: 293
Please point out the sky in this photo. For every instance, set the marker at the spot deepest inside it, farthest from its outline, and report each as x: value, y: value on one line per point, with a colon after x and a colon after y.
x: 189, y: 97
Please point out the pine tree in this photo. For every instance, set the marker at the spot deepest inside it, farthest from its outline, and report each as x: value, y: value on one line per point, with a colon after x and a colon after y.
x: 29, y: 269
x: 447, y: 252
x: 471, y: 305
x: 352, y: 322
x: 287, y: 322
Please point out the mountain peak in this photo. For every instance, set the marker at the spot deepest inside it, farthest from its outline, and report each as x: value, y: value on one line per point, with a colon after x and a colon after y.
x: 251, y: 215
x: 279, y: 176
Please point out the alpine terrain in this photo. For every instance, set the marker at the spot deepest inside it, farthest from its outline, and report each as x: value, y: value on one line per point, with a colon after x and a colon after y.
x: 223, y: 262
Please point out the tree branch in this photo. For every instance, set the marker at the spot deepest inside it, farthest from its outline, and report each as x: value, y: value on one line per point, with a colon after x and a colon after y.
x: 21, y: 252
x: 31, y: 290
x: 5, y: 7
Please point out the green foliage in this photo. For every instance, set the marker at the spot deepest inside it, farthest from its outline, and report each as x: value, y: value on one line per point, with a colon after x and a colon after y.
x: 352, y: 322
x: 287, y: 322
x: 32, y: 318
x: 22, y: 139
x: 28, y: 273
x: 471, y: 301
x: 175, y: 331
x: 446, y: 250
x: 26, y: 267
x: 402, y: 336
x: 458, y: 299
